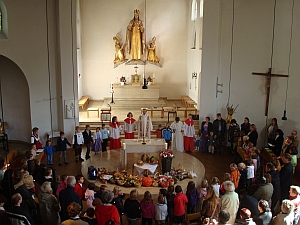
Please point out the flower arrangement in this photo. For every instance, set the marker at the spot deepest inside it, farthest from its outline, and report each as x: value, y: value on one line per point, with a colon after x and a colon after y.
x: 123, y: 79
x: 149, y: 79
x: 167, y: 153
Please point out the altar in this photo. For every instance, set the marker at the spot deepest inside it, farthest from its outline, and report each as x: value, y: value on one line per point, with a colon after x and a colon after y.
x: 136, y: 146
x: 130, y: 92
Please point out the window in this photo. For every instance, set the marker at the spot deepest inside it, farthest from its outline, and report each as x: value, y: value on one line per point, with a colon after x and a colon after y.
x: 0, y: 20
x: 3, y: 21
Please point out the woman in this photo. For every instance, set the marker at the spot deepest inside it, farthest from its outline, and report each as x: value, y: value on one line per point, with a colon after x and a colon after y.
x: 288, y: 143
x: 114, y: 131
x: 129, y: 126
x: 49, y: 206
x: 295, y: 198
x: 230, y: 201
x: 245, y: 127
x: 107, y: 211
x: 211, y: 206
x: 177, y: 140
x: 277, y: 146
x: 35, y: 139
x: 265, y: 214
x: 253, y: 135
x: 286, y: 216
x: 206, y: 128
x: 74, y: 210
x: 272, y: 131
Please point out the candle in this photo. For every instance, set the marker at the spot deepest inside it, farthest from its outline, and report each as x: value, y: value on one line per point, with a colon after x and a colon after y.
x: 124, y: 146
x: 143, y: 76
x: 111, y: 87
x: 166, y: 146
x: 154, y: 76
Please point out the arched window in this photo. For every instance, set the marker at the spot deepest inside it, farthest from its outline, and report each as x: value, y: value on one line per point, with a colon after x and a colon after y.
x: 3, y: 21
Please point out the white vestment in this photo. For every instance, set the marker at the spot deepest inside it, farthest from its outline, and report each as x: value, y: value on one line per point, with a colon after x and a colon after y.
x: 188, y: 128
x: 145, y: 127
x: 177, y: 140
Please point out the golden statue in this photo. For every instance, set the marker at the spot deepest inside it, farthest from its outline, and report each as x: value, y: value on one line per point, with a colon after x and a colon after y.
x: 135, y: 37
x: 119, y: 52
x: 152, y: 57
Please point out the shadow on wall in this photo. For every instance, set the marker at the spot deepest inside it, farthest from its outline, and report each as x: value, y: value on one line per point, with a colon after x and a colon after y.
x: 15, y: 100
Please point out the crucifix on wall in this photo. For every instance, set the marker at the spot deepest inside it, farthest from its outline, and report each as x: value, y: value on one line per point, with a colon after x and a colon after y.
x: 269, y: 75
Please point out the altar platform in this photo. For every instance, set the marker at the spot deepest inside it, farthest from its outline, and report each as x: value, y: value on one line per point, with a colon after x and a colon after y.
x: 112, y: 159
x: 131, y: 92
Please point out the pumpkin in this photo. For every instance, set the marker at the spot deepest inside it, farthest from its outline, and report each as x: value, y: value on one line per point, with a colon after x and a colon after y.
x: 147, y: 181
x: 164, y: 183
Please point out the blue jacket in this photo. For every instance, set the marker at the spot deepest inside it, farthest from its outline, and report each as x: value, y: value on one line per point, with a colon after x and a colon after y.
x: 104, y: 133
x: 167, y: 133
x: 49, y: 150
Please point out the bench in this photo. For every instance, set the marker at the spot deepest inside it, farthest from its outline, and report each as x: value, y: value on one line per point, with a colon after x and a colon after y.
x: 84, y: 102
x: 186, y: 111
x: 92, y: 110
x: 243, y: 154
x: 187, y: 101
x: 10, y: 156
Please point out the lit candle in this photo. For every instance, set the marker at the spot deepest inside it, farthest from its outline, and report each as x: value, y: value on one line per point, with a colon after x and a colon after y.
x: 166, y: 146
x: 124, y: 146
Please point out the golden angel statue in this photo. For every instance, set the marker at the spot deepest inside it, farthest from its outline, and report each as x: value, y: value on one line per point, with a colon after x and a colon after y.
x: 119, y: 51
x: 135, y: 37
x: 152, y: 57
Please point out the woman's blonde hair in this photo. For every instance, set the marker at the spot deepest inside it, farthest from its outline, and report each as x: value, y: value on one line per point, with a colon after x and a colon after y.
x: 242, y: 165
x: 116, y: 190
x: 227, y: 176
x: 204, y: 183
x: 46, y: 187
x: 133, y: 194
x: 214, y: 180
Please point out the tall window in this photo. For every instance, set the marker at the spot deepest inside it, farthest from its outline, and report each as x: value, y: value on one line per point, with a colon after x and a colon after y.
x: 0, y: 20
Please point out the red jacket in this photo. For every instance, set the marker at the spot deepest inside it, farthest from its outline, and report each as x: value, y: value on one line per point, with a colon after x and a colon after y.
x: 180, y: 200
x: 104, y: 213
x: 80, y: 191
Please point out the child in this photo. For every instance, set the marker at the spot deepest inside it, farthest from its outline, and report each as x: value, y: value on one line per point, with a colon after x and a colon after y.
x: 202, y: 193
x: 104, y: 136
x: 79, y: 186
x: 163, y: 192
x: 193, y: 196
x: 211, y: 142
x: 234, y: 175
x: 159, y: 131
x: 118, y: 201
x: 197, y: 141
x: 89, y: 216
x: 147, y: 208
x: 180, y: 200
x: 90, y: 195
x: 100, y: 192
x: 250, y: 171
x: 161, y: 211
x: 62, y: 143
x: 167, y: 134
x: 62, y: 184
x: 97, y: 141
x: 254, y: 159
x: 49, y: 149
x: 77, y: 142
x: 215, y: 184
x: 243, y: 178
x: 33, y: 150
x: 170, y: 203
x: 132, y: 208
x: 226, y: 178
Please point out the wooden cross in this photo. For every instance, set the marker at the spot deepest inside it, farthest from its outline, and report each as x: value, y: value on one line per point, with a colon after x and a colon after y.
x: 269, y: 75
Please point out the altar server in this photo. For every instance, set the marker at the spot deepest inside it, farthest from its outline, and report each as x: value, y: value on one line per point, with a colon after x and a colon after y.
x: 189, y: 133
x: 129, y: 126
x: 177, y: 140
x: 114, y: 131
x: 144, y: 125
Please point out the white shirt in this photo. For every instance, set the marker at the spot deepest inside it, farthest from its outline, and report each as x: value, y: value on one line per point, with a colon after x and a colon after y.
x: 189, y: 130
x: 80, y: 139
x: 34, y: 139
x: 97, y: 135
x: 161, y: 211
x: 216, y: 188
x: 115, y: 132
x: 250, y: 172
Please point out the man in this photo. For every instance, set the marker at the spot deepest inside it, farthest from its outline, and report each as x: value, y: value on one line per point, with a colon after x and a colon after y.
x: 219, y: 129
x: 286, y: 176
x: 270, y: 168
x: 265, y: 190
x: 67, y: 196
x: 77, y: 144
x: 249, y: 202
x: 188, y: 134
x: 144, y: 125
x: 88, y: 140
x: 296, y: 140
x: 17, y: 209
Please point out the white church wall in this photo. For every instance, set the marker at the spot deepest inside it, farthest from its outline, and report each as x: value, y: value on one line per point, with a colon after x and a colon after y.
x: 251, y: 53
x: 101, y: 20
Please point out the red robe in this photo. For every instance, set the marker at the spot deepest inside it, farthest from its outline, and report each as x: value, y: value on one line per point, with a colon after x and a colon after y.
x: 115, y: 140
x: 189, y: 132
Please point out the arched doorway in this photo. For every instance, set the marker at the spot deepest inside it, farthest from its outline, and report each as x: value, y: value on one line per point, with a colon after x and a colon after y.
x: 15, y: 108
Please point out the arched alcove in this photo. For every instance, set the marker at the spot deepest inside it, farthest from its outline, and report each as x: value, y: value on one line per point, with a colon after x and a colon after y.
x: 4, y: 23
x: 15, y: 100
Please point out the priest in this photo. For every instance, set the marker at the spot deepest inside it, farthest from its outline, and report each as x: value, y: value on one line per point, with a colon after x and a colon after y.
x: 114, y: 130
x: 189, y: 133
x: 129, y: 126
x: 144, y: 125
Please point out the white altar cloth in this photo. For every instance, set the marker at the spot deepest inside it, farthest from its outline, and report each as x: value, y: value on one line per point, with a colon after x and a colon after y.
x: 146, y: 166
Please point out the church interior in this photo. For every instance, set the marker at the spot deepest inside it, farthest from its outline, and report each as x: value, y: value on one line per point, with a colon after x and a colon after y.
x: 69, y: 63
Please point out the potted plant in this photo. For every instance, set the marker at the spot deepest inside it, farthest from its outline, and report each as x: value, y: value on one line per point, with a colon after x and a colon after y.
x: 149, y: 80
x: 122, y: 81
x: 166, y: 160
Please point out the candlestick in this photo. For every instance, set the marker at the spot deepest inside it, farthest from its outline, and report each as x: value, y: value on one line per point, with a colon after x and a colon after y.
x: 143, y: 76
x: 124, y: 146
x: 166, y: 146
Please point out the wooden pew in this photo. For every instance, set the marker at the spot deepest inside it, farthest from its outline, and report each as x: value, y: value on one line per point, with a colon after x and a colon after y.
x: 243, y: 153
x: 10, y: 156
x: 84, y: 102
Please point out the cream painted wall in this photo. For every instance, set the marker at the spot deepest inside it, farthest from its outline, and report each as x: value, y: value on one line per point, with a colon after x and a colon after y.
x: 101, y: 20
x: 251, y: 52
